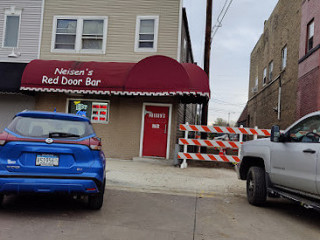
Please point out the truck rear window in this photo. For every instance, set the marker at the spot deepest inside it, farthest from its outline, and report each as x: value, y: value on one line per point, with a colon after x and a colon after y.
x: 53, y: 128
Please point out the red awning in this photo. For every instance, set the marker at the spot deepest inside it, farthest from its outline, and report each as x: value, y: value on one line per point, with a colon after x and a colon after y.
x: 152, y: 76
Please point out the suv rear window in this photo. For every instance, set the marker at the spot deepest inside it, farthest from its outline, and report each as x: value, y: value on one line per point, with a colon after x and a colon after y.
x: 53, y: 128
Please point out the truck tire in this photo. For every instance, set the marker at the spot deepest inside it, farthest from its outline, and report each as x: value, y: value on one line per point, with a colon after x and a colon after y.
x: 256, y: 186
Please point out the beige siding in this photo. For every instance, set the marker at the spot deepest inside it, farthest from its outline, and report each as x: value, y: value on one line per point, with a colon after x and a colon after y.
x: 28, y: 41
x: 121, y: 27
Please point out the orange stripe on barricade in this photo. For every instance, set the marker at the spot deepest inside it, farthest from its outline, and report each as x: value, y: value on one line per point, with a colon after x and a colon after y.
x: 205, y: 128
x: 243, y: 131
x: 224, y: 158
x: 236, y: 158
x: 208, y: 143
x: 199, y: 155
x: 188, y: 156
x: 265, y: 132
x: 182, y: 128
x: 194, y: 128
x: 218, y: 129
x: 184, y: 142
x: 212, y: 157
x: 196, y: 142
x: 233, y: 145
x: 220, y: 144
x: 253, y: 131
x: 230, y: 130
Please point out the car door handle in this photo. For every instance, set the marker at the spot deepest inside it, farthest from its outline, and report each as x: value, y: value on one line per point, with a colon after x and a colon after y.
x: 309, y: 151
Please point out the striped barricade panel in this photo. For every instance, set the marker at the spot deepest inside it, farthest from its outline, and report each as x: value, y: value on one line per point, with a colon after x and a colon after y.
x: 212, y: 129
x: 210, y: 143
x: 208, y: 157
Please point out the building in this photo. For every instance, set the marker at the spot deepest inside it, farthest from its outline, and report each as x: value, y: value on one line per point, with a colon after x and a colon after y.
x: 20, y: 27
x: 127, y: 65
x: 273, y: 80
x: 308, y: 99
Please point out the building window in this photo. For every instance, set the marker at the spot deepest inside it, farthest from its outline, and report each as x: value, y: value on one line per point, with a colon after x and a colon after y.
x: 310, y: 34
x: 146, y: 33
x: 12, y: 28
x: 284, y: 53
x: 264, y: 81
x: 79, y: 35
x: 255, y: 88
x: 270, y: 71
x: 97, y: 111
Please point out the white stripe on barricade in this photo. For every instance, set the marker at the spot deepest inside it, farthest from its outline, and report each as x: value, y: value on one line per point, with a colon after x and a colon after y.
x: 210, y: 143
x: 212, y: 129
x: 208, y: 157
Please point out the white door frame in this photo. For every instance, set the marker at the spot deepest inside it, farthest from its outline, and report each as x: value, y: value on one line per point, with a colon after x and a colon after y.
x: 169, y: 125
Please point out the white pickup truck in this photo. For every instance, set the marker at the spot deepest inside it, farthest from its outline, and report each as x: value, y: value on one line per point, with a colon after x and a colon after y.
x: 286, y: 164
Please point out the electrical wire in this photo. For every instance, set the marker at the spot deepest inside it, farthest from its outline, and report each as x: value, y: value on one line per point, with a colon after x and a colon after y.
x: 223, y: 12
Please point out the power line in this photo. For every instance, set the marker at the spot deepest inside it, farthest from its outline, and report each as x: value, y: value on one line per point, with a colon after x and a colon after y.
x: 223, y: 12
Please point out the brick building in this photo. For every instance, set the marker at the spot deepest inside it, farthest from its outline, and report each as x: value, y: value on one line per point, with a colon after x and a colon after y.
x: 308, y: 98
x: 274, y: 69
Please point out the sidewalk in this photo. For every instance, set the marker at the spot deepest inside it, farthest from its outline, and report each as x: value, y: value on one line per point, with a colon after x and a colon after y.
x: 161, y: 176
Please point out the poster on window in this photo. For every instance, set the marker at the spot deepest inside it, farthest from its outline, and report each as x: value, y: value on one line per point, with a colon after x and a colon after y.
x: 96, y: 111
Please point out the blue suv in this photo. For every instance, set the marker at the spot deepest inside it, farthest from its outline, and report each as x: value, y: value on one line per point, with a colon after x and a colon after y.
x: 49, y: 152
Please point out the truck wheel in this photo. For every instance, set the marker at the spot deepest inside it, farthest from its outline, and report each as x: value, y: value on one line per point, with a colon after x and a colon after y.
x: 256, y: 186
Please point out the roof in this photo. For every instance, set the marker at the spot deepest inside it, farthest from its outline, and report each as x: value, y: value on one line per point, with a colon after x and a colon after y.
x: 52, y: 115
x: 152, y: 76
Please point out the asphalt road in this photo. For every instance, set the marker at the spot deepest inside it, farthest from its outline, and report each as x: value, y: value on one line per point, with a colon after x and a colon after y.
x: 139, y: 213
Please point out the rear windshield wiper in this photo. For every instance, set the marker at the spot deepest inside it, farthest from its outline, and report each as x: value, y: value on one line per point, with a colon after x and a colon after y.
x: 62, y: 135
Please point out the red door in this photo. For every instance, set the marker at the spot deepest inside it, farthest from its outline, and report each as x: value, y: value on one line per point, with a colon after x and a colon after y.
x: 156, y: 121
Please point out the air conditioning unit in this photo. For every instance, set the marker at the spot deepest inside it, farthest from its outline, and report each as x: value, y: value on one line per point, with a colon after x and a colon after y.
x: 254, y: 89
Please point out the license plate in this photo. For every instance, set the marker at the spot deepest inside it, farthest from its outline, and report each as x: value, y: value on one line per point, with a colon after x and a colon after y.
x: 47, y: 160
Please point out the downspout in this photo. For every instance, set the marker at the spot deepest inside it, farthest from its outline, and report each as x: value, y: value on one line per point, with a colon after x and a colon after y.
x: 279, y: 100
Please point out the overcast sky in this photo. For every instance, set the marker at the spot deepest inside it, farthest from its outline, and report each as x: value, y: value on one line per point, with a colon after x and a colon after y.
x: 231, y: 48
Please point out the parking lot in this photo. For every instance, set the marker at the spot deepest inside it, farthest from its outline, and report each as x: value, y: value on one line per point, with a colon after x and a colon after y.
x: 157, y: 201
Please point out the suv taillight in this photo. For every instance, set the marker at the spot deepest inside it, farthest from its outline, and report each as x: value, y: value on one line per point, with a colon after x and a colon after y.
x: 95, y: 143
x: 3, y: 138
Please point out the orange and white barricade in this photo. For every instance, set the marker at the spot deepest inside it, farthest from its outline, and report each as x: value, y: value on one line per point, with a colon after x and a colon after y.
x: 217, y: 144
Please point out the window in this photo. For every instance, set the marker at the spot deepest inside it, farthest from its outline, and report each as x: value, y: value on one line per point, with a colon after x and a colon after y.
x: 79, y: 34
x: 307, y: 130
x: 284, y: 53
x: 270, y: 71
x: 264, y: 76
x: 12, y: 27
x: 97, y: 111
x: 310, y: 34
x: 146, y: 34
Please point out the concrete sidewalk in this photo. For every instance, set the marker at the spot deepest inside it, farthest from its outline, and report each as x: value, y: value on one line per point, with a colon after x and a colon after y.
x: 161, y: 176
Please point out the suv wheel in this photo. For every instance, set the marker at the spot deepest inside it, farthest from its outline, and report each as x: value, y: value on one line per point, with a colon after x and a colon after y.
x: 95, y: 201
x: 256, y: 186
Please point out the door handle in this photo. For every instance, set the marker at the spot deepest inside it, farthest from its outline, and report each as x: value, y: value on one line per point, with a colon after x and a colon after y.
x: 165, y: 129
x: 309, y: 151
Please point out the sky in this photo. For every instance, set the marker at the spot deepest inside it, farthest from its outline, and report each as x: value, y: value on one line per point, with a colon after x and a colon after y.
x: 231, y: 49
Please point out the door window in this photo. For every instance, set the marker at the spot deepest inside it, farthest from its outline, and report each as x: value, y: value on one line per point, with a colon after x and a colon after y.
x: 307, y: 130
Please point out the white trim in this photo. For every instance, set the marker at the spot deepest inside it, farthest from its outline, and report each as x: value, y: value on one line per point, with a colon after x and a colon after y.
x: 122, y: 93
x: 78, y: 42
x: 90, y: 100
x: 12, y: 11
x: 169, y: 125
x: 156, y: 32
x: 41, y: 28
x: 180, y: 31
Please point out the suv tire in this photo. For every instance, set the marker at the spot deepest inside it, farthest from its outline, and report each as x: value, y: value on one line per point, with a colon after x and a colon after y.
x: 256, y: 186
x: 95, y: 201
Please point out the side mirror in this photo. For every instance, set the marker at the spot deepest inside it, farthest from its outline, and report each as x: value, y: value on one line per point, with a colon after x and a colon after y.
x: 275, y: 134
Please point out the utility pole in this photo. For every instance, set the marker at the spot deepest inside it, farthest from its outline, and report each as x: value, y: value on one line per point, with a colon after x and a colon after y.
x: 207, y: 51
